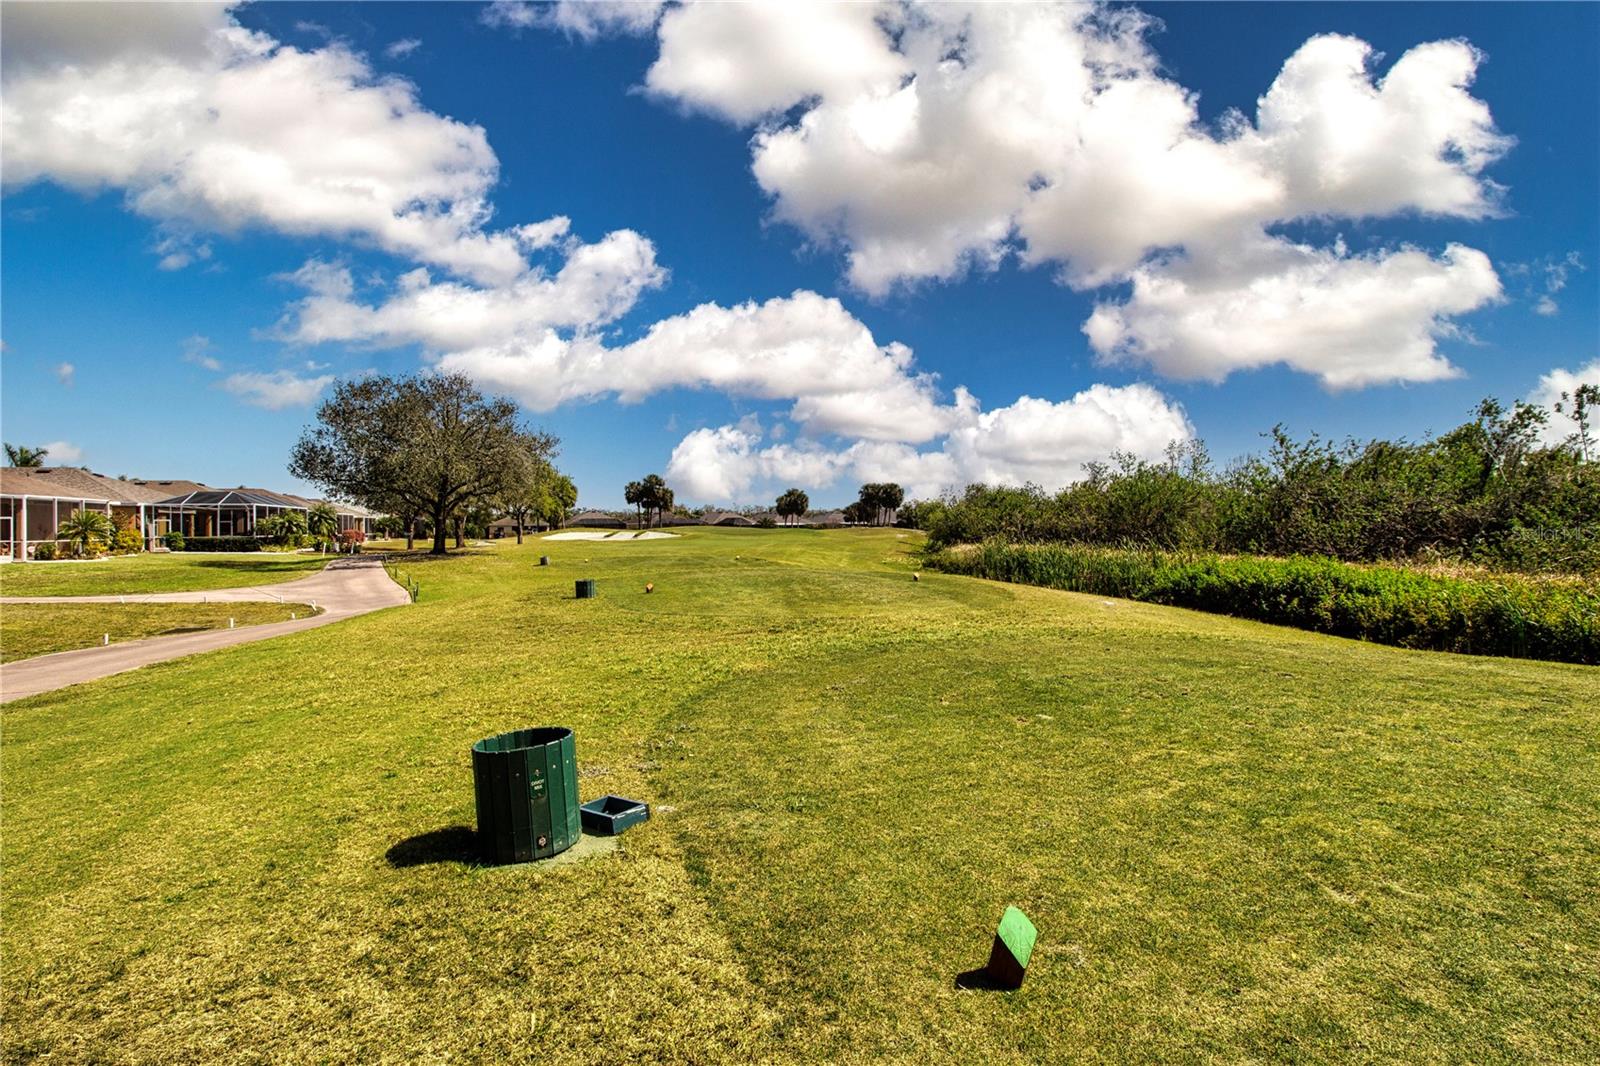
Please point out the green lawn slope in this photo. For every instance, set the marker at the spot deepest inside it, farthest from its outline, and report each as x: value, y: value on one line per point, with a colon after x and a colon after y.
x: 155, y: 572
x: 1238, y: 842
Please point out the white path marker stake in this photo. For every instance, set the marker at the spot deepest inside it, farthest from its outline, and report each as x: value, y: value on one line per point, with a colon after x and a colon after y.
x: 230, y: 623
x: 105, y: 641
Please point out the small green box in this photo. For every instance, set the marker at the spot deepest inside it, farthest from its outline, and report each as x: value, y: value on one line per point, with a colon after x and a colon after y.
x: 586, y: 590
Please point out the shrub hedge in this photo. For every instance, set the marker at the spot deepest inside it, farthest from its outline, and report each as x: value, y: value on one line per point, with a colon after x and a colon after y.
x: 1499, y: 615
x: 219, y: 544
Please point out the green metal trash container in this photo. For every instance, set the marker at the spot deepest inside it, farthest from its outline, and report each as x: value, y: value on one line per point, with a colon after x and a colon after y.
x: 586, y: 590
x: 527, y: 790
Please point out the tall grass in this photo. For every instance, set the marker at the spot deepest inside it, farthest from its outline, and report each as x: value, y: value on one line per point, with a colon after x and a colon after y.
x: 1498, y: 615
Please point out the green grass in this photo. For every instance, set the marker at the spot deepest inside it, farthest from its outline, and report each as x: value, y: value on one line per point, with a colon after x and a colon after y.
x: 1238, y: 842
x: 29, y: 629
x: 154, y: 572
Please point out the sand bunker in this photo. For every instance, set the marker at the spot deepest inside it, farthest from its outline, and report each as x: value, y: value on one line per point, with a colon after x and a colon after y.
x: 621, y: 534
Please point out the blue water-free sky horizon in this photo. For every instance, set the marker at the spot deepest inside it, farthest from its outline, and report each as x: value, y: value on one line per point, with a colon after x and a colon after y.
x: 128, y: 364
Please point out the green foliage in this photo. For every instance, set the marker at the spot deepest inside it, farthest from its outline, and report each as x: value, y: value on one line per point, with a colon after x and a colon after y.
x: 321, y: 523
x: 86, y: 532
x: 220, y: 544
x: 879, y: 502
x: 286, y: 528
x: 793, y: 504
x: 420, y: 445
x: 173, y: 539
x: 650, y: 497
x: 22, y: 455
x: 44, y: 551
x: 1499, y: 615
x: 1485, y: 492
x: 128, y: 540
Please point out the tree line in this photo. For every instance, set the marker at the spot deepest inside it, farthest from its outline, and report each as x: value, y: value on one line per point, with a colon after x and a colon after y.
x: 1487, y: 491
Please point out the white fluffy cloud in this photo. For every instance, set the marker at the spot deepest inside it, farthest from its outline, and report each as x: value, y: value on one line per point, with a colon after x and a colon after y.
x: 61, y: 452
x: 1351, y: 320
x: 1549, y: 391
x: 277, y: 389
x: 209, y: 127
x: 587, y: 19
x: 928, y: 140
x: 596, y: 284
x: 803, y: 347
x: 1030, y: 441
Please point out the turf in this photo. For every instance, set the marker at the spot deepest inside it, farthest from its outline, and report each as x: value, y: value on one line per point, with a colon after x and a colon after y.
x: 1238, y: 842
x: 29, y: 629
x: 155, y: 572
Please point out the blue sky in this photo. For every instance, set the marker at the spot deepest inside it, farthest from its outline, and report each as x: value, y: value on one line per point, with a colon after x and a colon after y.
x: 165, y: 289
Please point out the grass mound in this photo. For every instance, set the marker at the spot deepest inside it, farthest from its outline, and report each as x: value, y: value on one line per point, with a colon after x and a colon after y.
x: 1503, y: 615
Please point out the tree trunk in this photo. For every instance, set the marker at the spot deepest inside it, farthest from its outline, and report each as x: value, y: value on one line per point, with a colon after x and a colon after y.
x: 411, y: 535
x: 519, y: 531
x: 441, y: 528
x: 461, y: 531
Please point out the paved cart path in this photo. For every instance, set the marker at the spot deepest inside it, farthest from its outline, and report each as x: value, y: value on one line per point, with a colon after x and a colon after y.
x: 343, y: 590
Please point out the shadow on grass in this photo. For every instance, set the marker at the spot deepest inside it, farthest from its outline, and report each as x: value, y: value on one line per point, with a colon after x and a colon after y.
x: 262, y: 561
x: 981, y: 980
x: 455, y: 843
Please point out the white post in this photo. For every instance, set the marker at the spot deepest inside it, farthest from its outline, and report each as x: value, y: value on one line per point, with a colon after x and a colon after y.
x: 24, y: 537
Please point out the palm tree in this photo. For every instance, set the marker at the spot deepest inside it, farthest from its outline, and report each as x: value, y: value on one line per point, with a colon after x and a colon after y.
x: 87, y: 531
x: 633, y: 493
x: 322, y: 522
x: 792, y: 504
x: 22, y: 455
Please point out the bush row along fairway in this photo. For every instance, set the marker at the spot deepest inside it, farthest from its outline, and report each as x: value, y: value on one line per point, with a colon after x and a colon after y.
x: 1500, y: 615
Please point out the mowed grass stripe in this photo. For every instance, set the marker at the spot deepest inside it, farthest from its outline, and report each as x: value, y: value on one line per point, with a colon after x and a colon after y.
x: 1238, y: 841
x: 30, y: 629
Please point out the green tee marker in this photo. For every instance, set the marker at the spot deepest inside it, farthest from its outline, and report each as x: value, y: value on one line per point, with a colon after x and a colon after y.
x: 1013, y: 947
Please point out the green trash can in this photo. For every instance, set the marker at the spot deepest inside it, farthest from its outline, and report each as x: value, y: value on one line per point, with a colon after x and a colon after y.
x: 526, y: 783
x: 585, y: 589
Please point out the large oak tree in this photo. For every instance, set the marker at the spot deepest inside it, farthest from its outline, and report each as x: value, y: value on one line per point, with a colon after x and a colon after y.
x: 425, y: 445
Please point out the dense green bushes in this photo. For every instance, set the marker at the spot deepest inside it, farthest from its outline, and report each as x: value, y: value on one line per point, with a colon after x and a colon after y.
x: 1484, y: 492
x: 1499, y: 615
x: 219, y: 544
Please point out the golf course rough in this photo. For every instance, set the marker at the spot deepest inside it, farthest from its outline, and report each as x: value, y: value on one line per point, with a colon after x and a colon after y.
x: 1240, y: 842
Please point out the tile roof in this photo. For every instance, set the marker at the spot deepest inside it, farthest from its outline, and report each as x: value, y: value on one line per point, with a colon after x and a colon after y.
x: 71, y: 482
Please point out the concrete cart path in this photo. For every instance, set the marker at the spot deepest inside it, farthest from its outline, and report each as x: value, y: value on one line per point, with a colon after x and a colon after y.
x: 343, y: 590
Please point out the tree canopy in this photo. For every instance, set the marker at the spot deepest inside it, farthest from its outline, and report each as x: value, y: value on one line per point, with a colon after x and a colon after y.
x: 649, y: 496
x: 792, y: 504
x: 22, y: 455
x: 879, y: 502
x: 423, y: 445
x: 1487, y: 491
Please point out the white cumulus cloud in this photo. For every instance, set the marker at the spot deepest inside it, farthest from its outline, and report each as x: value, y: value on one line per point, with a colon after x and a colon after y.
x: 1029, y: 441
x: 208, y: 127
x: 1350, y: 320
x: 1549, y: 392
x: 61, y: 453
x: 277, y: 389
x: 928, y: 140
